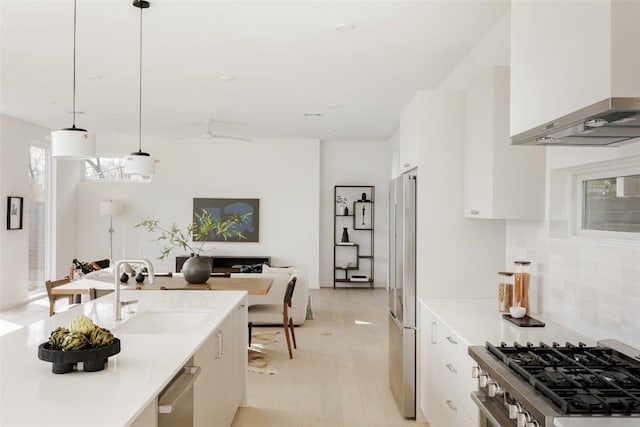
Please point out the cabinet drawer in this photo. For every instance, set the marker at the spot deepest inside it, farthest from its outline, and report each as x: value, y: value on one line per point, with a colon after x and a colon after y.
x: 454, y: 368
x: 455, y: 373
x: 446, y: 409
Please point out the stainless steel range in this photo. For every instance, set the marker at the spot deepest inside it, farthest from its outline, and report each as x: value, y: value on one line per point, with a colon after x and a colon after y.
x: 531, y: 386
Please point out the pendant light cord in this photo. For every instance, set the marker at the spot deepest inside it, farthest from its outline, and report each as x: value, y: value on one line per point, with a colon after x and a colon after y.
x: 140, y: 90
x: 74, y: 64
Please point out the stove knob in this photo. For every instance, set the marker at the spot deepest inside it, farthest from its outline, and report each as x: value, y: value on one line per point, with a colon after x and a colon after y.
x: 495, y: 389
x: 483, y: 379
x: 522, y: 418
x: 514, y: 410
x: 475, y: 371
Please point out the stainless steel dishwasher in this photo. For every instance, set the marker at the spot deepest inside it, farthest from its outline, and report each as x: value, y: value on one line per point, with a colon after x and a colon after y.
x: 175, y: 402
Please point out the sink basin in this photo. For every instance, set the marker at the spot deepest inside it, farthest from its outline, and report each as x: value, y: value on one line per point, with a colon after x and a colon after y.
x: 162, y: 322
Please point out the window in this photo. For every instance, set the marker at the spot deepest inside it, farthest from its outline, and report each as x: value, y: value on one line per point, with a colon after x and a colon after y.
x: 606, y: 200
x: 38, y: 219
x: 612, y: 204
x: 109, y: 169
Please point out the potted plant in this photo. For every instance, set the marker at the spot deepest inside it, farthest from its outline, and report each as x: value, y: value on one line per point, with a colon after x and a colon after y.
x: 342, y: 203
x: 195, y: 269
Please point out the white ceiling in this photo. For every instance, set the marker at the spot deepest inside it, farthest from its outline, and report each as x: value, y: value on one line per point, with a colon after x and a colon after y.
x: 287, y: 57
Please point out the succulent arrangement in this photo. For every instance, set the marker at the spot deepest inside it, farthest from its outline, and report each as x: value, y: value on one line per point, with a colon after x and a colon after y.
x: 82, y: 334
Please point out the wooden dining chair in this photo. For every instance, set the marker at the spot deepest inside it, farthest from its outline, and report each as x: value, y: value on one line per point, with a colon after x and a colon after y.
x: 287, y: 320
x: 97, y: 293
x: 53, y: 298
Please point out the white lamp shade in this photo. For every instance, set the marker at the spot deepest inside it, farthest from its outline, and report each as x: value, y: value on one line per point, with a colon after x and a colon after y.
x: 139, y: 164
x: 72, y: 143
x: 111, y: 208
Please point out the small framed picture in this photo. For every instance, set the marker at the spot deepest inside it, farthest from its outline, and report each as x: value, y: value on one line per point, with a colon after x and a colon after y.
x: 14, y: 213
x: 363, y: 215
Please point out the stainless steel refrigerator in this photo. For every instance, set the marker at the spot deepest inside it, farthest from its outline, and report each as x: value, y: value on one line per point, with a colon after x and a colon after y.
x: 402, y: 292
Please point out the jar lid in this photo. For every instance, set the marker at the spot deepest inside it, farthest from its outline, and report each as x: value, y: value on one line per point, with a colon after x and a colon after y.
x: 522, y: 262
x: 505, y: 273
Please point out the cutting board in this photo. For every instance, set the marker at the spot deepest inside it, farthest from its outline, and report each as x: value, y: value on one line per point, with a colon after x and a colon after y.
x: 524, y: 322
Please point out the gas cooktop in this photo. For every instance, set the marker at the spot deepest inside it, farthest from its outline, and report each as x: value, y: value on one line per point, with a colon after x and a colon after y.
x: 577, y: 378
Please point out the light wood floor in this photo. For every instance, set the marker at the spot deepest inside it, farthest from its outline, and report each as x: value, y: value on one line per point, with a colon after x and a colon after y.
x: 338, y: 376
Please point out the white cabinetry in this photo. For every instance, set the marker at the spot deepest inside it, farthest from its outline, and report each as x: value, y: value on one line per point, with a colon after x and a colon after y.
x: 445, y: 382
x: 566, y: 55
x: 500, y: 180
x: 413, y: 131
x: 220, y: 387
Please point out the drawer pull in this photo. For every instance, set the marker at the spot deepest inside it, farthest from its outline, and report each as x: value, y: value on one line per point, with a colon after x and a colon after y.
x: 452, y: 406
x: 433, y: 333
x: 451, y: 368
x: 451, y: 340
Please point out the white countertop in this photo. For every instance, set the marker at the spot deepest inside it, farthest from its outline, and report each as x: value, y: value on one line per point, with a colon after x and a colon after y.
x: 478, y: 321
x: 31, y: 395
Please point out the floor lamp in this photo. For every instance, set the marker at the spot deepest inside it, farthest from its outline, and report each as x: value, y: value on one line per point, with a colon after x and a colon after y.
x: 111, y: 208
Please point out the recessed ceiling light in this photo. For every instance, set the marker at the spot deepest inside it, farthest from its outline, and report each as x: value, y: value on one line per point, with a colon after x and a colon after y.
x: 92, y: 76
x: 334, y: 105
x: 227, y: 78
x: 313, y: 114
x: 345, y: 26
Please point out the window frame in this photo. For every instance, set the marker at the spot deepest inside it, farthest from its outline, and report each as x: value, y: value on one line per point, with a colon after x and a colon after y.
x: 48, y: 207
x: 607, y: 169
x: 129, y: 180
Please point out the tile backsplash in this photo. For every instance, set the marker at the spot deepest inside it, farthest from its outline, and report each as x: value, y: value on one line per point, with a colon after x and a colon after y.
x: 587, y: 285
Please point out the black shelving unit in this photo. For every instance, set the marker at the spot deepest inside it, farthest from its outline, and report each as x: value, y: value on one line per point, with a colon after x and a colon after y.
x: 355, y: 258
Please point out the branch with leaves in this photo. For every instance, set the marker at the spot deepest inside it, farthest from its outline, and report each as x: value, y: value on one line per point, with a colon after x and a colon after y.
x: 203, y: 225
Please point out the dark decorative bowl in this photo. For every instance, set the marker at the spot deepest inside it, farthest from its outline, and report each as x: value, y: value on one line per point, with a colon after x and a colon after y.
x: 93, y: 359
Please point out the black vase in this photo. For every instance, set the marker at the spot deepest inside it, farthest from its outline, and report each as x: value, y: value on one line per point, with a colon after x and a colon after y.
x: 346, y: 210
x: 140, y: 277
x: 124, y: 278
x: 196, y: 270
x: 345, y: 235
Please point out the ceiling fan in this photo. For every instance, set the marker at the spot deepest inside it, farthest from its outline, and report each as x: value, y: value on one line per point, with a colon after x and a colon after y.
x: 209, y: 134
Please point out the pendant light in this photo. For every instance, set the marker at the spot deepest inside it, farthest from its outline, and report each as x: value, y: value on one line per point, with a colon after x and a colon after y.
x: 139, y: 162
x: 73, y: 142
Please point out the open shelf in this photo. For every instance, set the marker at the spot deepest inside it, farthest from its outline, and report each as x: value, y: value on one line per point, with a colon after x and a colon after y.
x: 360, y: 200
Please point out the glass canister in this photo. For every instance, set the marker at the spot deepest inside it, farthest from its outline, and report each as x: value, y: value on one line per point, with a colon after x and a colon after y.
x: 521, y: 286
x: 505, y: 291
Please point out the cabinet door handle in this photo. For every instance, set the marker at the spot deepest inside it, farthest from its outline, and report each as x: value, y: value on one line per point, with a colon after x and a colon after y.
x: 433, y: 332
x: 451, y: 340
x: 220, y: 336
x: 452, y: 406
x: 241, y: 306
x: 451, y: 368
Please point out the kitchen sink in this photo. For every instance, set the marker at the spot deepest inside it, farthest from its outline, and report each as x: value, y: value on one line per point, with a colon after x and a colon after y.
x: 162, y: 322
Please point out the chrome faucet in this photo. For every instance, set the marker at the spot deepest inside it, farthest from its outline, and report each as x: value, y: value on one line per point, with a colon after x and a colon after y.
x: 117, y: 304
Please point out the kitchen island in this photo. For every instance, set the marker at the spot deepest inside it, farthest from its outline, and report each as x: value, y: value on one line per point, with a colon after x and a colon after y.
x: 126, y: 391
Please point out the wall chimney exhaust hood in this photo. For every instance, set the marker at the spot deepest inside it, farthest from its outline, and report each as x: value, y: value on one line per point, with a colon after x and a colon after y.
x: 609, y: 123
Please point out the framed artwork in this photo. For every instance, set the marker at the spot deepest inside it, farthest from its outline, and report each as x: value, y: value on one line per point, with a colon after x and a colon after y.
x: 363, y: 215
x: 223, y: 208
x: 14, y: 213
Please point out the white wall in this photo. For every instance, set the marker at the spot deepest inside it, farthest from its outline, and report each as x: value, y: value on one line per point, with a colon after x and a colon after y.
x: 492, y: 49
x: 15, y: 139
x: 589, y: 285
x: 456, y: 256
x: 284, y: 175
x: 354, y: 163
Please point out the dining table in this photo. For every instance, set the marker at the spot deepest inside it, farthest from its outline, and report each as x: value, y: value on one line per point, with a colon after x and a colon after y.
x: 253, y: 286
